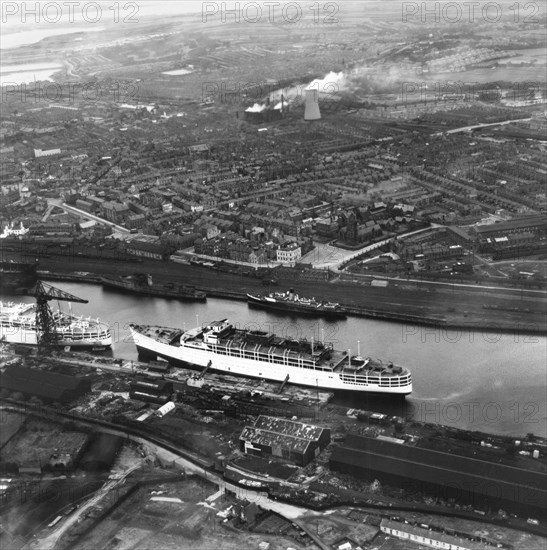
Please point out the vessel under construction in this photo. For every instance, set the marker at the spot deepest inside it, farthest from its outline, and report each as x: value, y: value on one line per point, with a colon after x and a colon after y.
x: 18, y: 326
x: 222, y: 347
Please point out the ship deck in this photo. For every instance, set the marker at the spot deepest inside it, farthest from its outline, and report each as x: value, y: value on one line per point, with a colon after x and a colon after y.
x: 324, y: 359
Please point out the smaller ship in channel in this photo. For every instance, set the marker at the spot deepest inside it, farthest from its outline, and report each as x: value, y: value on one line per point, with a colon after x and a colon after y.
x: 222, y: 347
x: 142, y: 283
x: 18, y: 326
x: 290, y: 302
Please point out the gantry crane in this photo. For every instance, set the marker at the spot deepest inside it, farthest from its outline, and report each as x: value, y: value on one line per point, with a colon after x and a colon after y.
x: 46, y: 335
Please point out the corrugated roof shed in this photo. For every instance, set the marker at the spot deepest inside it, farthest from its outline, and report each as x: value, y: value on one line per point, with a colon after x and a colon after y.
x: 279, y: 432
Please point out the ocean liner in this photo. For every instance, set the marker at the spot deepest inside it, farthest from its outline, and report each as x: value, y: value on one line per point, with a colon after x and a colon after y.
x: 18, y: 326
x: 290, y: 302
x: 222, y: 347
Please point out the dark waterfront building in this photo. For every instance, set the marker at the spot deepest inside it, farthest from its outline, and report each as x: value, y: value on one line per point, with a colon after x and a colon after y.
x: 300, y: 443
x: 442, y: 475
x: 48, y: 386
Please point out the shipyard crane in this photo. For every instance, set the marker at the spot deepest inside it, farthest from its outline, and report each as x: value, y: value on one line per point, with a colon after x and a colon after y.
x: 46, y: 335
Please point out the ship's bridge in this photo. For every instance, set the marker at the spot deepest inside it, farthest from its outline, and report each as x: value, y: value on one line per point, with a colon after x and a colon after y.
x: 215, y: 330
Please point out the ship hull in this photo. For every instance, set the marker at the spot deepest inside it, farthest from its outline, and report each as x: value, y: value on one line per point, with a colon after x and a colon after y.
x: 18, y: 335
x: 293, y: 309
x: 200, y: 357
x: 151, y: 291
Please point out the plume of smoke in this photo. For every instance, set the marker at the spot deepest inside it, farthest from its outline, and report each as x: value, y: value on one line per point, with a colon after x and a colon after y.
x: 329, y: 84
x: 256, y: 108
x: 360, y: 80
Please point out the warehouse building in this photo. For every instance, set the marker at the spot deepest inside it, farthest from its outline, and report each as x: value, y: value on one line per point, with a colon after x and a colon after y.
x: 426, y: 536
x: 442, y: 475
x: 46, y: 385
x: 153, y: 390
x: 294, y: 441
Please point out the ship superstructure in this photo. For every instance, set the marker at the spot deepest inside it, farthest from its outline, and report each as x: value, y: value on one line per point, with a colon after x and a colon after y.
x: 18, y: 326
x: 222, y: 347
x: 293, y: 303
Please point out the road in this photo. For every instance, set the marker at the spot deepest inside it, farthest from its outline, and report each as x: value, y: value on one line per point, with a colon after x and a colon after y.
x: 119, y: 232
x: 328, y: 256
x: 483, y: 125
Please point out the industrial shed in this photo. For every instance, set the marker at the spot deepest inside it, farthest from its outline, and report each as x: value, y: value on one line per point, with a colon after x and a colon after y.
x: 48, y: 386
x: 153, y: 390
x: 300, y: 443
x: 442, y: 475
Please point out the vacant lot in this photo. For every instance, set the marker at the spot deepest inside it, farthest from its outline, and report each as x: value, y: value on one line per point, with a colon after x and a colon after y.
x: 36, y: 441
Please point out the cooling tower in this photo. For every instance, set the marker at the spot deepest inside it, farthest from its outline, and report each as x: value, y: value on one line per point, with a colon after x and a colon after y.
x: 312, y: 105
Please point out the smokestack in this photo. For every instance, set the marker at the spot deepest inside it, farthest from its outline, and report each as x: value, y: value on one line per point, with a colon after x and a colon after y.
x: 312, y: 105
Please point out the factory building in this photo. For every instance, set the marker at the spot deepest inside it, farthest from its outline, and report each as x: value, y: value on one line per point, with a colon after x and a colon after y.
x: 442, y: 475
x: 293, y: 441
x: 48, y: 386
x: 153, y: 390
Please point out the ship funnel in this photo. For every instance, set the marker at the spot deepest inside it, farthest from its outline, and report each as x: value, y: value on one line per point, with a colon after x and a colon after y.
x: 149, y: 279
x: 311, y: 111
x: 291, y: 294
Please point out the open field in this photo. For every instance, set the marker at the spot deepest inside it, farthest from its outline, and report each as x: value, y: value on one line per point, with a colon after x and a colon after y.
x: 39, y: 440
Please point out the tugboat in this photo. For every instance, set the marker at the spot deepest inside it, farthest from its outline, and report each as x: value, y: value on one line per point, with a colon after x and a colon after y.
x: 292, y: 303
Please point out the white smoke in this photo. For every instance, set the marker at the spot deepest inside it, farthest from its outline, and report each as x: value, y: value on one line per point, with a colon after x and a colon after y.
x: 256, y: 108
x: 332, y: 83
x: 359, y: 80
x: 281, y: 105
